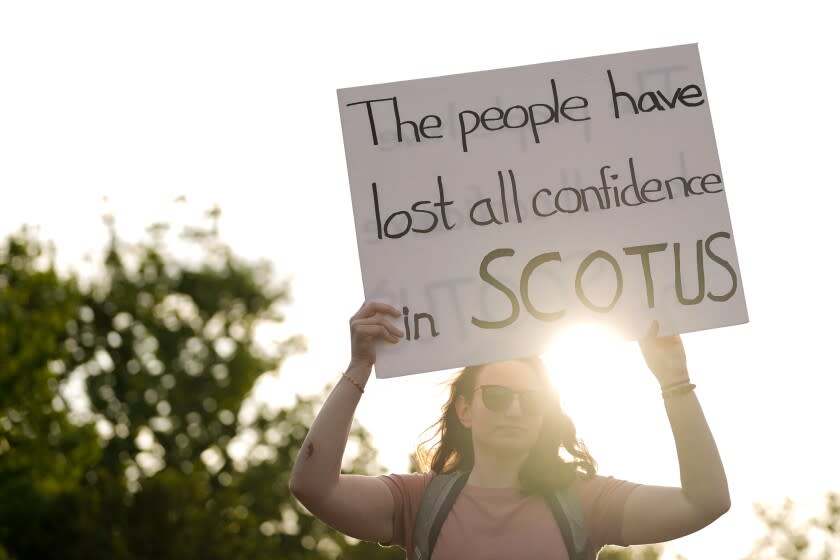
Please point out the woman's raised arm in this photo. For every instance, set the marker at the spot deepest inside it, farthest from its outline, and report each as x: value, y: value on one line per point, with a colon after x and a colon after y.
x: 658, y: 513
x: 358, y: 506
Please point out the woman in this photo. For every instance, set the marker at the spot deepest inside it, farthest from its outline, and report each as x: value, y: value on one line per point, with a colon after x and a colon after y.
x: 504, y: 426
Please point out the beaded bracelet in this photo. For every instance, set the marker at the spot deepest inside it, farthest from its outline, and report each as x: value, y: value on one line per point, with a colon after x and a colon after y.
x: 355, y: 383
x: 678, y: 389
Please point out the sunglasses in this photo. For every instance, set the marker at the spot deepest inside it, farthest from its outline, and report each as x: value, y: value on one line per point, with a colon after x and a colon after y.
x: 498, y: 398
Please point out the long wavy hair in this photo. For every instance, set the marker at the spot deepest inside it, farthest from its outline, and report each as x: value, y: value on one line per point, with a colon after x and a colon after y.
x: 544, y: 470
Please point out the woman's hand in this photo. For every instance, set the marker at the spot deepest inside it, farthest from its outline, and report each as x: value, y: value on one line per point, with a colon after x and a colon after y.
x: 371, y: 323
x: 665, y: 356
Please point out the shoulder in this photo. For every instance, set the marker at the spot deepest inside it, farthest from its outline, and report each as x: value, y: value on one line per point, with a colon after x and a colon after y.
x: 599, y: 492
x: 409, y: 485
x: 599, y: 484
x: 602, y: 500
x: 411, y: 480
x: 407, y: 491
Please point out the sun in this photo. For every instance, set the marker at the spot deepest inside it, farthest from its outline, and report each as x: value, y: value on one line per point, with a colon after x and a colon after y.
x: 583, y: 357
x: 602, y: 382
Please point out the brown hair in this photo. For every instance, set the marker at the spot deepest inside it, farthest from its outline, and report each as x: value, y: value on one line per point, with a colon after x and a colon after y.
x: 543, y: 471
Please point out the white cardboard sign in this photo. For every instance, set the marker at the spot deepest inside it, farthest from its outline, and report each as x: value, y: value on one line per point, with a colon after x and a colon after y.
x: 498, y: 208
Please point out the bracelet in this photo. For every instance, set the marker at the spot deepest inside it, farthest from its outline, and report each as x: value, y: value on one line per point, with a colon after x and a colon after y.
x: 678, y: 389
x: 354, y: 382
x: 685, y: 381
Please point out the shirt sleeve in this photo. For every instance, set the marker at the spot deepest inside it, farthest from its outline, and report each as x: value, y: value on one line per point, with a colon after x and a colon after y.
x: 602, y: 500
x: 407, y: 490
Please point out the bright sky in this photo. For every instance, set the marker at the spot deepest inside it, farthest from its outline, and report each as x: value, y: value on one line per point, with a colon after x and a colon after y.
x: 235, y: 103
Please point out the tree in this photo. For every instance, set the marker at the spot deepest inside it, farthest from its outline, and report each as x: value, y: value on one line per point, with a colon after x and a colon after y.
x: 163, y: 457
x: 815, y: 538
x: 43, y: 456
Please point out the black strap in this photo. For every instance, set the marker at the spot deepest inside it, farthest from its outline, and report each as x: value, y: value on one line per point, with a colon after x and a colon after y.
x: 431, y: 502
x: 563, y: 523
x: 448, y: 502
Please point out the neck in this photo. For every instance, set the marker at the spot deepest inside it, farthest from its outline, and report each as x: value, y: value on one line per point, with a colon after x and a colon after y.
x: 496, y: 470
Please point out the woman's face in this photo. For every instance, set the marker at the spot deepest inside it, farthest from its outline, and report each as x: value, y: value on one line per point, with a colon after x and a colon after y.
x: 505, y: 411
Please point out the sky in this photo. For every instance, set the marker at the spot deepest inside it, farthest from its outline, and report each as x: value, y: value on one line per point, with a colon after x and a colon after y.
x: 120, y: 108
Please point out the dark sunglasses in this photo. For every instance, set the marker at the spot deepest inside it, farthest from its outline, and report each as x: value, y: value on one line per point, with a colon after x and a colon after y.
x: 498, y: 398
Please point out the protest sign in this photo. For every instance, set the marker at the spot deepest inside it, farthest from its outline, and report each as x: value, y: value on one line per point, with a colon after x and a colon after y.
x: 497, y: 208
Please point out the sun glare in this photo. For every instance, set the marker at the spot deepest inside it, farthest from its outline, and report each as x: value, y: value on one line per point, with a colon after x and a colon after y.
x: 583, y: 358
x: 600, y: 377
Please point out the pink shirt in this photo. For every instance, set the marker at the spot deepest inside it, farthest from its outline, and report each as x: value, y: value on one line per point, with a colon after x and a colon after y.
x: 498, y: 523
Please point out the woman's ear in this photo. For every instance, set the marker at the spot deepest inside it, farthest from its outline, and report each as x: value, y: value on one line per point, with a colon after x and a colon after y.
x: 464, y: 411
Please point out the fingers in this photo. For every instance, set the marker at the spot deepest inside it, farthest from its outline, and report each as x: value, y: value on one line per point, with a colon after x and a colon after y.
x: 377, y: 331
x: 377, y: 320
x: 372, y: 320
x: 372, y: 323
x: 652, y: 338
x: 371, y: 308
x: 653, y: 330
x: 653, y: 334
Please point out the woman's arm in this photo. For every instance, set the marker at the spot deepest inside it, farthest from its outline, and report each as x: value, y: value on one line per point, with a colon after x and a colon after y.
x: 358, y: 506
x: 657, y: 513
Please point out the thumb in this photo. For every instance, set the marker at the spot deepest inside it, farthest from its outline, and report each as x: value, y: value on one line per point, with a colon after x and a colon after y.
x: 653, y: 330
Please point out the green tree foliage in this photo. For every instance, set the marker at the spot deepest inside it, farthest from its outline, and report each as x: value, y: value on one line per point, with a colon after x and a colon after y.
x: 142, y: 462
x: 43, y: 456
x: 816, y: 538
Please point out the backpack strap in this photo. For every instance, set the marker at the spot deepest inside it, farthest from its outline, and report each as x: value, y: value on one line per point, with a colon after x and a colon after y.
x: 437, y: 500
x: 565, y: 505
x: 442, y: 491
